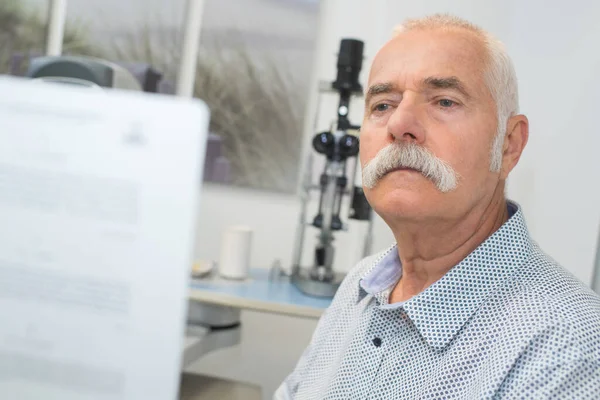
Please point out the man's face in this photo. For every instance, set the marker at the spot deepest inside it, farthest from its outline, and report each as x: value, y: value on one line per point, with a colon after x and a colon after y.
x: 427, y: 88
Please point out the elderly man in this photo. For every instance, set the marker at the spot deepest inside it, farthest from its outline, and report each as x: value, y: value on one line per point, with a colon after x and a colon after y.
x: 465, y: 305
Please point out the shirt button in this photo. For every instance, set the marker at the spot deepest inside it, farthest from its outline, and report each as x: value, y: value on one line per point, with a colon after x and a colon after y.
x: 377, y: 342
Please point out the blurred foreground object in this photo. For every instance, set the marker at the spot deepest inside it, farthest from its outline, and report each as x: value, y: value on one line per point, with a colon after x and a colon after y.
x: 94, y: 186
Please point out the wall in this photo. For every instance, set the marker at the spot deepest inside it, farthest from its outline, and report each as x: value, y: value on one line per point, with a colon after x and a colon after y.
x: 271, y: 215
x: 556, y: 53
x: 274, y: 219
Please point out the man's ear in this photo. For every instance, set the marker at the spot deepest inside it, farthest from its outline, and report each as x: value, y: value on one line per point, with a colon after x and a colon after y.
x: 517, y: 134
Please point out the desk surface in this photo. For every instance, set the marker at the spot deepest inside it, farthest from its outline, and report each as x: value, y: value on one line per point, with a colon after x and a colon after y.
x: 258, y: 293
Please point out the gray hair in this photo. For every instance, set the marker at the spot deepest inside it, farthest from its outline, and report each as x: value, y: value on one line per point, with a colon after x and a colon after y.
x: 500, y: 76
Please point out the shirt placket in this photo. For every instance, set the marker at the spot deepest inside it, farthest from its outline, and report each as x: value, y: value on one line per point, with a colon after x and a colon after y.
x: 380, y: 339
x: 372, y: 349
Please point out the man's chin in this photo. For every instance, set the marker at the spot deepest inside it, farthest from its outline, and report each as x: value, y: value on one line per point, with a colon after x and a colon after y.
x: 411, y: 199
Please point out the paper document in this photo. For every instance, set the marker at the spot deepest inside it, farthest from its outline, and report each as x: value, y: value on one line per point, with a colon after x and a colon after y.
x: 98, y: 197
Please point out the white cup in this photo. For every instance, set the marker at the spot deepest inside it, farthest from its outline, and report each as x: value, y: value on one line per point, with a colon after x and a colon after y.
x: 234, y: 261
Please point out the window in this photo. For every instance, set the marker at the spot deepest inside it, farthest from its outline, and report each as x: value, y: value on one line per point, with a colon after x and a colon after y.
x: 253, y: 71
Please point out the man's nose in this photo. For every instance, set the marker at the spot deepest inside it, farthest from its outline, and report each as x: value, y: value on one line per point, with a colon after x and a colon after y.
x: 406, y: 123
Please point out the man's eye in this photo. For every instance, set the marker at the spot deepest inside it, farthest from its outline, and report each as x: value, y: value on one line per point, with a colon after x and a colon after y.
x: 381, y: 107
x: 446, y: 103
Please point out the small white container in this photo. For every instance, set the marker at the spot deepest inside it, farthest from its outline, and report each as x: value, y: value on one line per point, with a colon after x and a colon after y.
x: 234, y: 261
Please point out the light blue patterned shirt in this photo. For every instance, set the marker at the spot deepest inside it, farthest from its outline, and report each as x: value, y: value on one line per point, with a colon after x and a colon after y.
x: 506, y: 322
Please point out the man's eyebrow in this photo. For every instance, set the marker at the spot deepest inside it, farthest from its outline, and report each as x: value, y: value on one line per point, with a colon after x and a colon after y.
x: 450, y: 82
x: 379, y: 88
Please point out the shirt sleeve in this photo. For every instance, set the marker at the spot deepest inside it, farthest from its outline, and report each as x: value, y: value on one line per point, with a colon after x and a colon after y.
x: 578, y: 379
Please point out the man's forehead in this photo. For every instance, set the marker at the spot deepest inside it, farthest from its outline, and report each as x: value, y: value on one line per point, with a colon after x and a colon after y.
x: 413, y: 56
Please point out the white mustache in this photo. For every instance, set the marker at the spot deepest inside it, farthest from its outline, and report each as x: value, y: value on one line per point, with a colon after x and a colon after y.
x: 410, y: 155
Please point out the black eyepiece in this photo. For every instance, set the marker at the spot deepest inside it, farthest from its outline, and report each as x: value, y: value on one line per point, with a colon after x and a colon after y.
x: 324, y: 143
x: 349, y: 64
x: 348, y: 146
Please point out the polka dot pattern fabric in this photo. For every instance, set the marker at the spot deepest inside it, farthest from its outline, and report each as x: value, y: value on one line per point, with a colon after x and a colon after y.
x: 505, y: 323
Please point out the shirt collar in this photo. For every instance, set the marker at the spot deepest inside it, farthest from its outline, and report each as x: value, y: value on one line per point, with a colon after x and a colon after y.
x: 440, y: 311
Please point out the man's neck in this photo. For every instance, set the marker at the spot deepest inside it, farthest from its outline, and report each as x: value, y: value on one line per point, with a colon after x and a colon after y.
x: 428, y: 252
